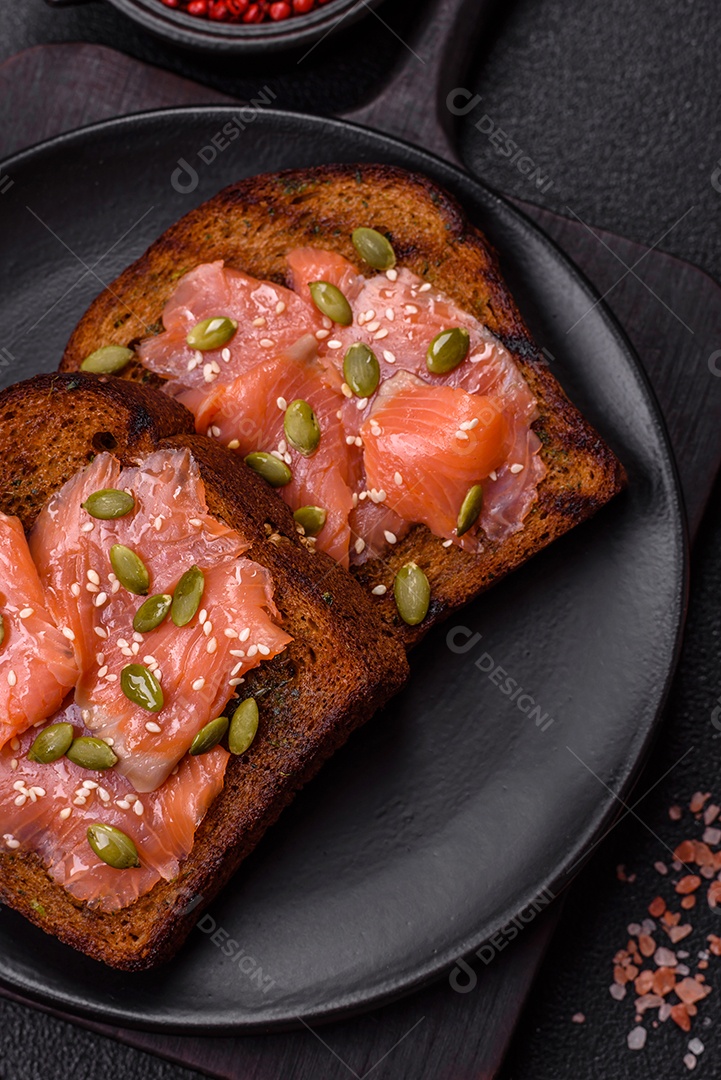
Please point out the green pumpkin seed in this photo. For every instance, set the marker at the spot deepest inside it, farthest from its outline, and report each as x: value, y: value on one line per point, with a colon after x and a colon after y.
x: 108, y: 504
x: 91, y: 753
x: 187, y: 596
x: 274, y: 471
x: 209, y: 736
x: 243, y: 726
x: 412, y: 593
x: 113, y: 846
x: 301, y: 427
x: 152, y: 612
x: 310, y: 518
x: 447, y: 350
x: 361, y: 370
x: 212, y: 333
x: 141, y: 687
x: 52, y: 743
x: 470, y: 509
x: 374, y: 248
x: 330, y: 301
x: 129, y: 569
x: 108, y: 360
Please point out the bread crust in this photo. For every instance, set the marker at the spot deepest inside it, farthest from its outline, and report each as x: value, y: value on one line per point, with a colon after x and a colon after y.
x: 254, y: 223
x: 341, y: 667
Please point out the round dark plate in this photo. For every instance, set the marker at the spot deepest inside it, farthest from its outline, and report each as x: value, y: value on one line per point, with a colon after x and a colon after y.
x: 454, y: 808
x: 236, y: 39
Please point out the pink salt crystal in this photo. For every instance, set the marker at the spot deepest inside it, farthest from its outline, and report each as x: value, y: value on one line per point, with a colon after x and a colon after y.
x: 674, y: 812
x: 712, y: 836
x: 636, y: 1038
x: 689, y: 1061
x: 678, y: 933
x: 710, y: 813
x: 664, y: 958
x: 578, y: 1018
x: 660, y: 867
x: 616, y: 991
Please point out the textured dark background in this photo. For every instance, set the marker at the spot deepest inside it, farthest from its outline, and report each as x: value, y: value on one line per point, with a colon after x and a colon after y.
x: 617, y: 104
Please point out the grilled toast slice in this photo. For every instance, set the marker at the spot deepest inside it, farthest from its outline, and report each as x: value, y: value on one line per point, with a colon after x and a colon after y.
x: 252, y: 224
x: 342, y: 665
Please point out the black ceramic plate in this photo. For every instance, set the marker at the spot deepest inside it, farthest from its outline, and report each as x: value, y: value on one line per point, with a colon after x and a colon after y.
x: 454, y: 808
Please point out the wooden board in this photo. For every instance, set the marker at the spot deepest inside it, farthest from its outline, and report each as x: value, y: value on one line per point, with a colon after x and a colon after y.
x: 672, y: 313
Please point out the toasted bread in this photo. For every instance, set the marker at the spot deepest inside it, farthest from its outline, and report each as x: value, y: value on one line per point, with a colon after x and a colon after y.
x: 252, y: 224
x: 342, y: 665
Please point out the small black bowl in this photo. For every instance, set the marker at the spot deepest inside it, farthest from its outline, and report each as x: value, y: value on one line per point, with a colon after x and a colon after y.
x: 233, y: 39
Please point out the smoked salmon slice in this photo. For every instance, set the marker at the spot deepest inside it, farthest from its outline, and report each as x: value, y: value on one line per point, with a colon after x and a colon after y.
x: 48, y: 809
x: 197, y: 665
x: 235, y: 393
x: 248, y: 415
x: 37, y: 662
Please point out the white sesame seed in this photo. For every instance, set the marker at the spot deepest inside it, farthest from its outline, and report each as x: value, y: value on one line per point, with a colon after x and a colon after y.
x: 202, y: 615
x: 233, y: 444
x: 462, y: 435
x: 225, y: 355
x: 104, y: 795
x: 252, y: 650
x: 13, y: 764
x: 379, y: 590
x: 89, y: 785
x: 259, y: 321
x: 425, y: 287
x: 372, y: 327
x: 335, y: 344
x: 14, y: 743
x: 359, y: 545
x: 20, y: 800
x: 263, y: 649
x: 235, y: 682
x: 123, y: 804
x: 238, y: 667
x: 237, y: 652
x: 276, y: 454
x: 199, y: 683
x: 381, y: 334
x: 111, y: 678
x: 195, y: 522
x: 282, y: 446
x: 26, y: 612
x: 100, y: 599
x: 152, y: 727
x: 361, y: 403
x: 410, y: 309
x: 493, y: 475
x: 281, y: 403
x: 103, y: 671
x: 208, y: 628
x: 115, y: 587
x: 75, y: 588
x: 392, y: 274
x: 149, y: 659
x: 346, y: 390
x: 350, y: 440
x: 123, y: 644
x: 230, y: 632
x: 91, y: 588
x: 327, y: 323
x: 94, y: 576
x: 287, y: 459
x: 87, y: 527
x: 65, y: 814
x: 390, y: 314
x: 12, y: 678
x: 244, y: 634
x: 321, y: 334
x: 12, y: 843
x: 398, y: 478
x: 212, y: 645
x: 208, y: 374
x: 67, y: 633
x: 390, y: 537
x: 516, y: 468
x: 358, y: 441
x: 100, y: 631
x: 389, y: 357
x: 266, y: 343
x: 280, y: 307
x: 447, y: 543
x: 135, y: 648
x: 138, y: 808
